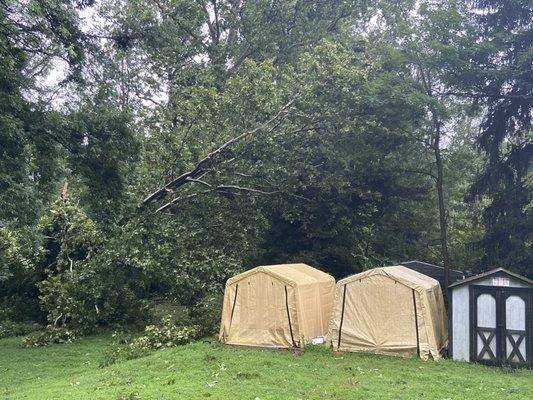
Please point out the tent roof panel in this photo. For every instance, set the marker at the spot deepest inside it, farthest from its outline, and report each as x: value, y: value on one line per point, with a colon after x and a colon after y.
x: 298, y: 274
x: 407, y: 276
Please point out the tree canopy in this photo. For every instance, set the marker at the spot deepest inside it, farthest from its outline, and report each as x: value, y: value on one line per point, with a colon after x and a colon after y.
x: 151, y: 149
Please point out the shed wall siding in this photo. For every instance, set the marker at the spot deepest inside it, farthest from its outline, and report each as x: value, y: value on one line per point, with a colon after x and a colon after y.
x: 461, y: 323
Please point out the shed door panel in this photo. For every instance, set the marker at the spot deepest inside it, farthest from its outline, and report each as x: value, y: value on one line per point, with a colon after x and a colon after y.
x: 516, y: 328
x: 501, y: 325
x: 486, y: 334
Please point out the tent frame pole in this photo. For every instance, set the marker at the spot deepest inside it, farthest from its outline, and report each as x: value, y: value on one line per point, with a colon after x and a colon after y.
x: 342, y: 317
x: 289, y: 316
x: 416, y: 324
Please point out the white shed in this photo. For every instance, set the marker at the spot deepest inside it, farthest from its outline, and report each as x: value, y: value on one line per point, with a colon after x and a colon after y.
x: 491, y: 319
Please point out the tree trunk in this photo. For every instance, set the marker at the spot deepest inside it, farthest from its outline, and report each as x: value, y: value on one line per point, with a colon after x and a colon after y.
x: 442, y: 209
x: 426, y: 81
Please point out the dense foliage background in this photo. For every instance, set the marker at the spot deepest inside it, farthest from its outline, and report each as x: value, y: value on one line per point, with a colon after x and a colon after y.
x: 357, y: 134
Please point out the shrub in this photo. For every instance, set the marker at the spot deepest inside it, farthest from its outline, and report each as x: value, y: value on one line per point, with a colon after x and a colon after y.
x: 162, y: 308
x: 155, y: 337
x: 122, y: 349
x: 18, y: 277
x: 70, y: 239
x: 166, y: 335
x: 49, y: 336
x: 84, y: 287
x: 23, y: 306
x: 10, y: 328
x: 206, y: 314
x: 10, y: 254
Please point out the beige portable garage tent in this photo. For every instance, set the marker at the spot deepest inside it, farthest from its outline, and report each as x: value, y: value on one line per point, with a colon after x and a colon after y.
x: 391, y: 310
x: 283, y: 305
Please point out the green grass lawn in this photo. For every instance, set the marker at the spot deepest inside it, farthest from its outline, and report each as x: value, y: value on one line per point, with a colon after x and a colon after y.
x: 209, y: 370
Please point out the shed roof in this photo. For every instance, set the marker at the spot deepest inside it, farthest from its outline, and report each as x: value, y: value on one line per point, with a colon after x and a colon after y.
x: 490, y: 273
x: 298, y: 274
x: 435, y: 270
x: 404, y: 275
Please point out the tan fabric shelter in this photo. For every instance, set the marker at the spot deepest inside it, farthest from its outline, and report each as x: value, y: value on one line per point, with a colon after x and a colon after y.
x: 283, y: 305
x: 391, y: 310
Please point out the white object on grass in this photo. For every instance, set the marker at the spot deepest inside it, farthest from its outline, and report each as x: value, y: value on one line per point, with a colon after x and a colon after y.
x: 318, y: 340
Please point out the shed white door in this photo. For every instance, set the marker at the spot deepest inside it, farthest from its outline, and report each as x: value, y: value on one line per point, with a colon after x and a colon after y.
x: 517, y: 315
x: 500, y: 330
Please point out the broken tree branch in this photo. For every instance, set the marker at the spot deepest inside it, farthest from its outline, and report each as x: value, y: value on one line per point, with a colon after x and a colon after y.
x: 228, y: 189
x: 199, y: 169
x: 244, y: 189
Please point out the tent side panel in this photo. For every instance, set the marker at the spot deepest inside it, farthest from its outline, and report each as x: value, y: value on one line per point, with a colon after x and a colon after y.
x: 333, y: 329
x: 420, y: 318
x: 226, y: 313
x: 442, y: 320
x: 307, y: 302
x: 261, y: 313
x: 314, y: 309
x: 434, y: 315
x: 378, y: 317
x: 327, y: 294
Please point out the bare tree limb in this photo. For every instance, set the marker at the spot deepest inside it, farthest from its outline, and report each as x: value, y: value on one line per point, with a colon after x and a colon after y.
x: 227, y: 189
x: 57, y: 319
x: 200, y: 181
x: 244, y: 189
x: 181, y: 198
x: 151, y: 100
x: 243, y: 175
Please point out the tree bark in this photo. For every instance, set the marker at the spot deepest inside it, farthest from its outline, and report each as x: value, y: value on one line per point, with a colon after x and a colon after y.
x: 442, y: 209
x: 439, y: 179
